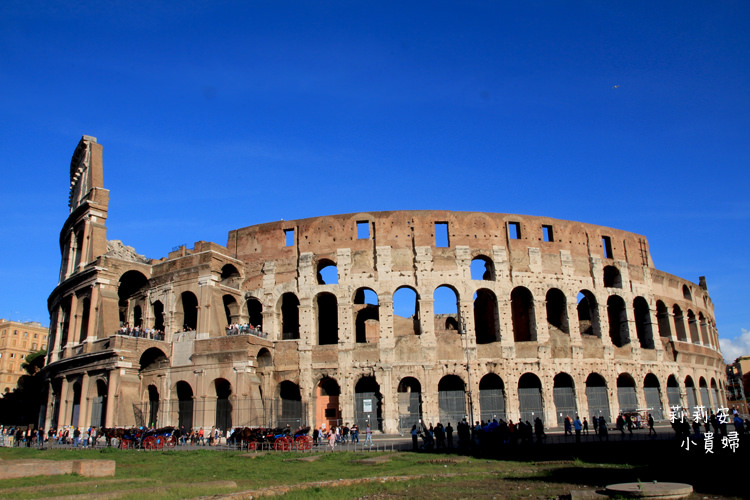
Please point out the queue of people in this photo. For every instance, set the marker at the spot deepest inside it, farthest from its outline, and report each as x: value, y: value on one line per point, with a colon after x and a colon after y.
x: 137, y: 331
x: 244, y: 329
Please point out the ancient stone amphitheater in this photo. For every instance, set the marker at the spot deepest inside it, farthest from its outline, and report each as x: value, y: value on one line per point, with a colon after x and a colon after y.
x: 383, y: 318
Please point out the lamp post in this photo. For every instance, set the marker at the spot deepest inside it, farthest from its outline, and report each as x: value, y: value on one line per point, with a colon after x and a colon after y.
x: 462, y: 332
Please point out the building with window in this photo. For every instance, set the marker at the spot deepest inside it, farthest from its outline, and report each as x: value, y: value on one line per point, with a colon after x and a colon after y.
x: 383, y: 318
x: 18, y: 340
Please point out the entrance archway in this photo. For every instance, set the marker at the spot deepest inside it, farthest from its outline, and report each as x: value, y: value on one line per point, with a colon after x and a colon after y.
x: 451, y: 399
x: 409, y: 403
x: 327, y: 409
x: 597, y: 396
x: 368, y: 404
x: 564, y: 395
x: 491, y: 398
x: 530, y: 397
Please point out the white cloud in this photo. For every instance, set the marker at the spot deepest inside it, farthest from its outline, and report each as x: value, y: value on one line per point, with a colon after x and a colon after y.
x: 734, y: 348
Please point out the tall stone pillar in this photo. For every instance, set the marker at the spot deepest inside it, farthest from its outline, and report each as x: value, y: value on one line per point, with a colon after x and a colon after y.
x: 62, y: 417
x: 83, y: 409
x: 112, y: 399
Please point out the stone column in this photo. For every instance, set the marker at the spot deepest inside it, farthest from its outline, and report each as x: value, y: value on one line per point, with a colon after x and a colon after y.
x: 62, y: 416
x: 91, y: 334
x: 112, y: 400
x: 83, y: 409
x: 72, y: 320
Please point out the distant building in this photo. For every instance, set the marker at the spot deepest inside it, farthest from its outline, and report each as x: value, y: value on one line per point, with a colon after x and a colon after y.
x: 17, y: 340
x: 738, y: 383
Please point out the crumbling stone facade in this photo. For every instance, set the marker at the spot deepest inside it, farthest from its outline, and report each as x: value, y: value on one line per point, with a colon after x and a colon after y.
x: 334, y: 321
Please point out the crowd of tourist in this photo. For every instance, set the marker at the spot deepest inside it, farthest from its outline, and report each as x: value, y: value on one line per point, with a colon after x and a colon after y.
x: 340, y: 434
x: 137, y: 331
x: 244, y: 329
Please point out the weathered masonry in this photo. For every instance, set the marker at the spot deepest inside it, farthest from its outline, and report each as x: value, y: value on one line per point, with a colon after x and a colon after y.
x: 332, y: 319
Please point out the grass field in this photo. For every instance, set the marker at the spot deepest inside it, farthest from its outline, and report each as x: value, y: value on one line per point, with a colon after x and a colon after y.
x: 538, y: 472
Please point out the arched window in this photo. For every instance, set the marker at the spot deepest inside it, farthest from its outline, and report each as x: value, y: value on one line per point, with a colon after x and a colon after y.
x: 289, y: 316
x: 612, y: 278
x: 223, y: 404
x: 366, y: 316
x: 189, y: 311
x: 255, y: 312
x: 482, y: 268
x: 445, y: 308
x: 662, y: 317
x: 679, y: 323
x: 327, y: 311
x: 522, y: 309
x: 557, y: 311
x: 618, y: 321
x: 405, y: 312
x: 486, y: 320
x: 588, y: 313
x: 643, y: 323
x: 328, y: 273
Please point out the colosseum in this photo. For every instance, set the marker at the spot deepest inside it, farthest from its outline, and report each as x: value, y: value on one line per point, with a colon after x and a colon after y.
x: 333, y: 319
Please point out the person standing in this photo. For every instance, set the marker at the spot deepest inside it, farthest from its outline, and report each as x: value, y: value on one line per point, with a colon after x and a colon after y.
x: 449, y: 435
x: 651, y: 425
x: 368, y: 435
x: 414, y: 438
x: 578, y: 426
x: 585, y: 426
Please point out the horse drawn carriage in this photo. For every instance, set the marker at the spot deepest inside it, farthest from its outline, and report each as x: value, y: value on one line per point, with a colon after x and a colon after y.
x: 140, y: 438
x: 280, y: 438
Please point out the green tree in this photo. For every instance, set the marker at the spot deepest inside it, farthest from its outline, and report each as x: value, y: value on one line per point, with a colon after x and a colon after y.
x: 22, y: 406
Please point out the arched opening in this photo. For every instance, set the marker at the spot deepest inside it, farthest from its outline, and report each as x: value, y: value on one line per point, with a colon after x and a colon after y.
x: 673, y: 392
x: 482, y: 268
x: 405, y: 312
x: 131, y: 287
x: 153, y: 406
x: 76, y: 407
x: 290, y: 412
x: 137, y: 316
x: 230, y: 276
x: 85, y: 311
x: 409, y: 403
x: 451, y: 399
x: 588, y: 313
x: 486, y: 320
x: 328, y: 273
x: 491, y: 398
x: 184, y: 405
x: 662, y: 318
x: 693, y: 325
x: 368, y: 404
x: 692, y: 397
x: 231, y: 309
x: 99, y: 404
x: 705, y: 399
x: 327, y: 312
x: 264, y: 359
x: 289, y: 317
x: 651, y: 390
x: 223, y: 404
x: 445, y: 308
x: 612, y: 277
x: 530, y: 397
x: 715, y: 394
x: 597, y: 396
x: 686, y: 293
x: 564, y: 394
x: 679, y: 323
x: 157, y: 309
x: 366, y: 316
x: 522, y: 311
x: 618, y: 321
x: 643, y: 323
x: 626, y: 395
x: 327, y: 403
x: 153, y: 358
x: 255, y: 313
x: 704, y: 329
x: 189, y: 311
x: 557, y: 311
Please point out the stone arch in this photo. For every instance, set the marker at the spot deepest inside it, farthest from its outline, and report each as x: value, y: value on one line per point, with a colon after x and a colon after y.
x: 643, y: 323
x: 99, y: 403
x: 522, y: 312
x: 231, y: 309
x: 612, y: 277
x: 184, y: 404
x: 690, y: 392
x: 290, y: 410
x: 588, y: 313
x: 85, y: 314
x: 189, y: 311
x: 223, y: 391
x: 492, y: 398
x: 597, y: 396
x: 482, y: 268
x: 557, y: 310
x: 153, y: 405
x: 486, y: 317
x: 327, y: 409
x: 673, y: 392
x: 445, y: 307
x: 153, y: 358
x: 679, y: 323
x: 409, y: 403
x: 264, y: 359
x: 366, y: 315
x: 157, y: 312
x: 693, y: 327
x: 451, y: 399
x: 368, y: 403
x: 564, y: 395
x: 652, y: 393
x: 130, y: 289
x: 705, y: 397
x: 327, y: 272
x: 704, y: 329
x: 686, y: 294
x: 531, y: 403
x: 715, y: 393
x: 662, y: 318
x: 618, y: 321
x: 406, y: 311
x: 327, y: 316
x: 289, y: 310
x: 230, y: 276
x: 255, y: 312
x: 626, y: 393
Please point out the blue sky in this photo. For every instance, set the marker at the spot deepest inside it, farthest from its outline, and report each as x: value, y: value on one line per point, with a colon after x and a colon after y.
x: 219, y: 115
